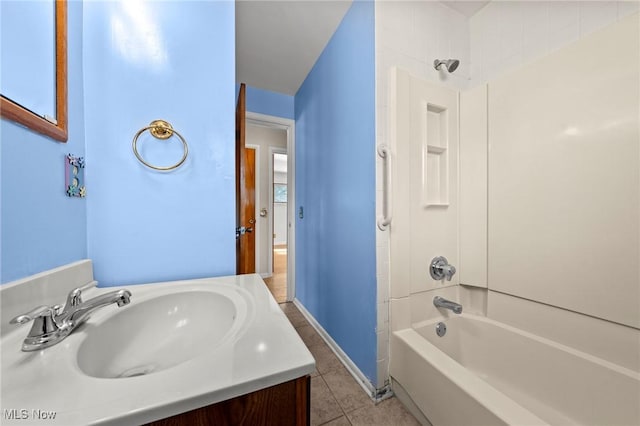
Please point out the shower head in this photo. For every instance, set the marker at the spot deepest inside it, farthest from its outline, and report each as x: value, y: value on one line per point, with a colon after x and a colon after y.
x: 450, y: 64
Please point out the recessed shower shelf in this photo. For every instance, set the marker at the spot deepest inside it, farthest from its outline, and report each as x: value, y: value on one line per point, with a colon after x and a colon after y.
x: 435, y: 185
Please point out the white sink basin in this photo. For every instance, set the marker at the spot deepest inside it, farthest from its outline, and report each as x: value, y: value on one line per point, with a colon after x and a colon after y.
x: 188, y: 343
x: 157, y: 334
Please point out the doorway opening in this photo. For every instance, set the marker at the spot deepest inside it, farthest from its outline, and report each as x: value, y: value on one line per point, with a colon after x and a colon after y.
x: 275, y: 201
x: 278, y: 179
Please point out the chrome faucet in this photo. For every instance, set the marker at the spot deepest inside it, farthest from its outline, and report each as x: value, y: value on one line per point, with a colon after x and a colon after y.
x: 440, y: 269
x: 79, y: 313
x: 51, y: 324
x: 441, y: 302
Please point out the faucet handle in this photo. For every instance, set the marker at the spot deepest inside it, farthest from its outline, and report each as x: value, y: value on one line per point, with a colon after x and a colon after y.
x: 440, y: 269
x: 45, y: 330
x: 40, y: 311
x: 44, y: 323
x: 449, y: 271
x: 74, y: 298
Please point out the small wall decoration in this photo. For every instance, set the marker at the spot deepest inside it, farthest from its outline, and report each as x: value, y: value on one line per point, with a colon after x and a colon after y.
x: 74, y: 176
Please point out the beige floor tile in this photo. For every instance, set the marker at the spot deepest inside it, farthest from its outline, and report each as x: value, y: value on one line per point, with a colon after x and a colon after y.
x: 387, y: 413
x: 334, y: 392
x: 309, y: 336
x: 326, y: 360
x: 340, y: 421
x: 297, y: 319
x: 346, y: 390
x: 288, y: 307
x: 324, y: 407
x: 295, y: 316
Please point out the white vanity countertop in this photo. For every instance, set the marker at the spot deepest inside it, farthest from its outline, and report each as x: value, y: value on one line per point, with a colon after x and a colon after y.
x: 264, y: 351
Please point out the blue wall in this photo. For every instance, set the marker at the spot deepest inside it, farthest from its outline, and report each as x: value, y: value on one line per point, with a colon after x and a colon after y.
x: 335, y: 183
x: 269, y: 103
x: 160, y: 60
x: 41, y: 227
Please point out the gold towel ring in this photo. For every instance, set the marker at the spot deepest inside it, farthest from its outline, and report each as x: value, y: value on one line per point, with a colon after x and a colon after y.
x: 160, y: 129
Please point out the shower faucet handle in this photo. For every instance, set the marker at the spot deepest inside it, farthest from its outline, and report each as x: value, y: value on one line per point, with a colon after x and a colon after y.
x: 449, y: 271
x: 440, y: 269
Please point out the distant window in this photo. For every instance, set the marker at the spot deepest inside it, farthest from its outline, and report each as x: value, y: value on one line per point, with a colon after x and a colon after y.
x: 279, y: 192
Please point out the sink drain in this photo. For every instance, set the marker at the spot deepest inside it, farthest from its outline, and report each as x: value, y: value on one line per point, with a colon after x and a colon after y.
x: 137, y: 371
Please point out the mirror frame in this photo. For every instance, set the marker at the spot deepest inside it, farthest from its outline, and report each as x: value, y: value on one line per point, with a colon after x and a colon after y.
x: 15, y: 112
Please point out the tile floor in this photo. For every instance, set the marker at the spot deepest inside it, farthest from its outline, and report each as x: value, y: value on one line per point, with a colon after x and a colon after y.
x: 336, y: 398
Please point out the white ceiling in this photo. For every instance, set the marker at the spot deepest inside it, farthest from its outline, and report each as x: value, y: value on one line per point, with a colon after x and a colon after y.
x: 278, y: 42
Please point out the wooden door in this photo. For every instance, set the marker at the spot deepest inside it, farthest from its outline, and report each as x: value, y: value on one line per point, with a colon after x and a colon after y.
x: 247, y: 213
x: 245, y: 194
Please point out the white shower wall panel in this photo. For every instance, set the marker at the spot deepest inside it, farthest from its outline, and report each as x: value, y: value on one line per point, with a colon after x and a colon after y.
x: 473, y: 187
x: 425, y: 183
x: 564, y: 183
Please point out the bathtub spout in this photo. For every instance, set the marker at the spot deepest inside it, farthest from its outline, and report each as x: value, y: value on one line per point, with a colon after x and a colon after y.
x: 441, y: 302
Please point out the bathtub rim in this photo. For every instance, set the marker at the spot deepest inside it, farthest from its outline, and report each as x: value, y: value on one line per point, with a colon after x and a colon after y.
x: 421, y: 325
x: 494, y: 401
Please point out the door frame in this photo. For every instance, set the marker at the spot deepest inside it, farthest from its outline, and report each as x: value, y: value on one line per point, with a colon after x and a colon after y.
x: 289, y: 126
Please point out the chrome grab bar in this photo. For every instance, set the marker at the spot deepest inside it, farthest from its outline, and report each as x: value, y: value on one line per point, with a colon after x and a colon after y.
x: 385, y: 153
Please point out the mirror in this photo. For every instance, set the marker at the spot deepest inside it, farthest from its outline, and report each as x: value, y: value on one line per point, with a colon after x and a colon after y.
x: 54, y: 127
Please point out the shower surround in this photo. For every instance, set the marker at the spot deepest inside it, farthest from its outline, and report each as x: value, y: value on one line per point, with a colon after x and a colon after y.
x: 540, y: 149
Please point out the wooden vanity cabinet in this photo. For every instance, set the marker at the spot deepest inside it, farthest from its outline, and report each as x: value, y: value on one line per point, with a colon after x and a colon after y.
x: 282, y: 405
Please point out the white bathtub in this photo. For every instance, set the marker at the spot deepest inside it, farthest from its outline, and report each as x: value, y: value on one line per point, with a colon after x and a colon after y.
x: 482, y: 372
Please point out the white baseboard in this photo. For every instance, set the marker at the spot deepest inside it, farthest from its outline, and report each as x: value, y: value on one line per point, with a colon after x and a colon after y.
x: 376, y: 395
x: 266, y: 274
